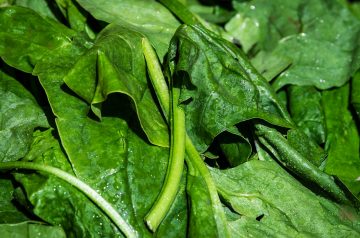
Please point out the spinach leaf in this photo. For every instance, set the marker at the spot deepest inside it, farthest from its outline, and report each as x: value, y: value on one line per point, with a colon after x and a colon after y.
x: 19, y: 115
x: 263, y: 195
x: 219, y: 87
x: 289, y: 157
x: 342, y: 141
x: 10, y: 211
x: 31, y: 230
x: 77, y: 18
x: 302, y: 31
x: 30, y: 39
x: 77, y: 215
x: 151, y: 18
x: 306, y: 110
x: 42, y: 7
x: 114, y: 64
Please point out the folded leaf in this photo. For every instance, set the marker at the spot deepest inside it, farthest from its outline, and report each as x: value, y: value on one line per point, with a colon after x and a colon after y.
x: 115, y: 64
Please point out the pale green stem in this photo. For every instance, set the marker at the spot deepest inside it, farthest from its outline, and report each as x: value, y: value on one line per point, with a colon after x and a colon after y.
x: 156, y: 76
x: 106, y: 207
x: 160, y: 208
x: 174, y: 171
x: 177, y: 146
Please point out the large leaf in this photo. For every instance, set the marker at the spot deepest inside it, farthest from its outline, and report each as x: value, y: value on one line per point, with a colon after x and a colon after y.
x: 93, y: 148
x: 151, y: 18
x: 19, y: 115
x: 273, y: 204
x: 342, y: 141
x: 54, y: 200
x: 115, y: 64
x: 219, y: 87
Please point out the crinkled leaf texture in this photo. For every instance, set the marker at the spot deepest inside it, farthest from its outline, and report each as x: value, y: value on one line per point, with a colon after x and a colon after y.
x: 219, y: 87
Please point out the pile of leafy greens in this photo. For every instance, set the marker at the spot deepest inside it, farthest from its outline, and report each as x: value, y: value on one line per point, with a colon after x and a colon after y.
x: 143, y: 118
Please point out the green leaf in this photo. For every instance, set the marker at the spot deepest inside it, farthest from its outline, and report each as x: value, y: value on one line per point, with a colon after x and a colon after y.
x: 31, y: 230
x: 306, y: 110
x: 77, y: 214
x: 20, y: 115
x: 206, y: 215
x: 76, y: 16
x: 269, y: 202
x: 115, y: 64
x: 9, y: 211
x: 151, y: 18
x: 214, y: 13
x: 298, y: 163
x: 270, y: 65
x: 263, y: 22
x: 110, y: 149
x: 219, y: 86
x: 306, y: 146
x: 342, y: 141
x: 320, y: 37
x: 24, y: 43
x: 42, y: 7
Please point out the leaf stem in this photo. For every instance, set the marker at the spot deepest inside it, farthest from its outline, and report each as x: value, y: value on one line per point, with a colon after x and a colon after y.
x: 295, y: 162
x: 194, y: 161
x: 156, y: 76
x: 124, y: 227
x: 177, y: 146
x: 175, y: 169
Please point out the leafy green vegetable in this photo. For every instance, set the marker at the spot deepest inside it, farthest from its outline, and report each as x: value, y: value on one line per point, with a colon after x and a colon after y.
x: 31, y: 230
x: 179, y: 118
x: 302, y: 31
x: 216, y: 90
x: 150, y: 18
x: 311, y: 120
x: 19, y: 115
x: 342, y: 142
x: 249, y: 191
